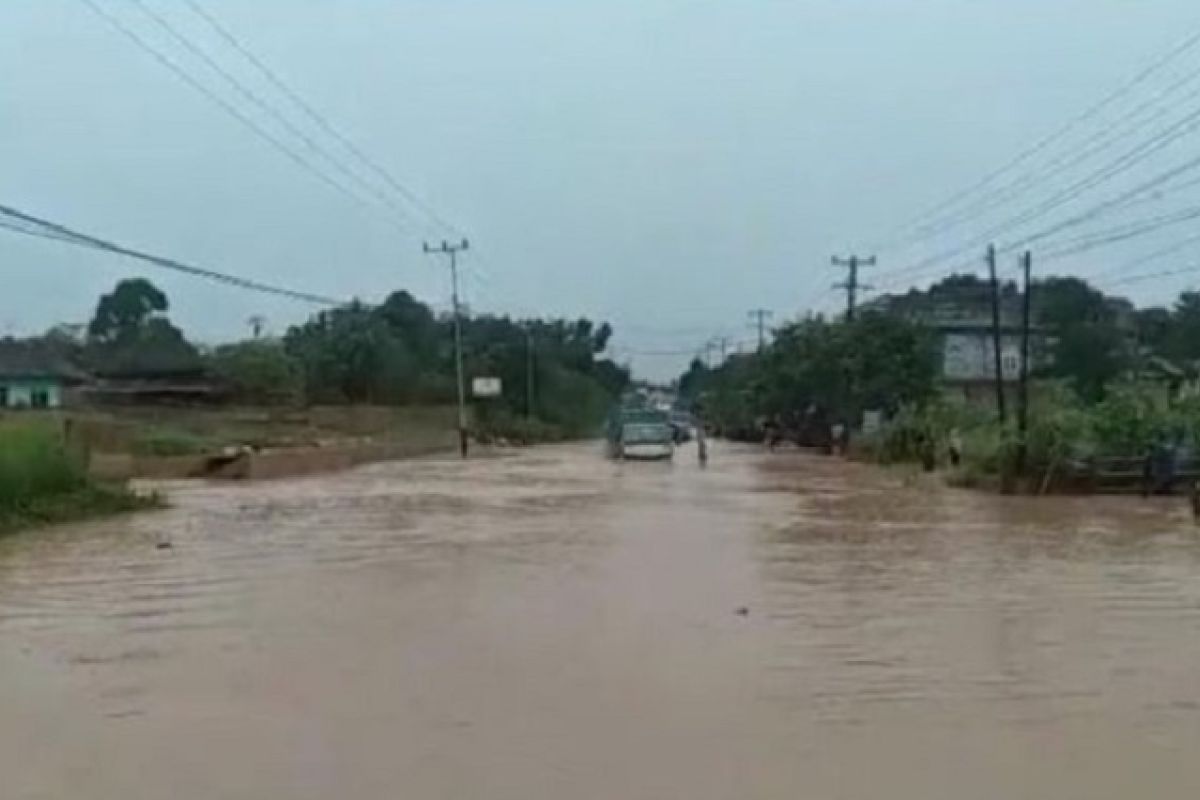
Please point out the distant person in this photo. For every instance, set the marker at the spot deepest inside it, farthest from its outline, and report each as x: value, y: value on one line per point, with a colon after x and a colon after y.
x: 772, y: 435
x: 836, y: 431
x: 925, y: 451
x: 955, y: 448
x: 701, y: 444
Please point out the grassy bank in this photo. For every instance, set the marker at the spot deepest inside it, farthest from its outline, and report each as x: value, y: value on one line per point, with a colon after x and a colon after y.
x: 42, y: 481
x: 1128, y: 422
x: 167, y: 431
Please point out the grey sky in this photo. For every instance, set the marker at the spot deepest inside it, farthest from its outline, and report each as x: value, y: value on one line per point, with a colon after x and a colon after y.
x: 665, y: 164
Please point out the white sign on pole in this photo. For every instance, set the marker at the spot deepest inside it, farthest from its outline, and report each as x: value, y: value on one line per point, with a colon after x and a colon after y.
x: 485, y: 387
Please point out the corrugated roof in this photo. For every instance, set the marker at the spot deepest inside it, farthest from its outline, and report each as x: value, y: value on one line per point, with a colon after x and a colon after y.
x: 24, y: 358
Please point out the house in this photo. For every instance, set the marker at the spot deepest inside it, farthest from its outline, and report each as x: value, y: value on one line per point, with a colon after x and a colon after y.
x: 157, y: 388
x: 33, y: 376
x: 968, y: 357
x: 966, y: 346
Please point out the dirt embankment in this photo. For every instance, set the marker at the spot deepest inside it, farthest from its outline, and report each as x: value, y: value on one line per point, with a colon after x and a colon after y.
x: 254, y: 443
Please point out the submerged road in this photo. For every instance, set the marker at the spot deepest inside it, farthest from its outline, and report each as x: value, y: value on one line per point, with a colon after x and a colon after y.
x: 555, y: 625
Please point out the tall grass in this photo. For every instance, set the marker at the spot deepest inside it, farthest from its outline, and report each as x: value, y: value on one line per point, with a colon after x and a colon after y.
x: 42, y: 480
x: 35, y: 462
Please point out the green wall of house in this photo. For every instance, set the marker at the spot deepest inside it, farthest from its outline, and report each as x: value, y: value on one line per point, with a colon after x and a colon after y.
x: 30, y: 393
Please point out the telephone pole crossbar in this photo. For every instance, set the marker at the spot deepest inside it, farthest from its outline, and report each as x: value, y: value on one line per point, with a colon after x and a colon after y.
x: 851, y: 284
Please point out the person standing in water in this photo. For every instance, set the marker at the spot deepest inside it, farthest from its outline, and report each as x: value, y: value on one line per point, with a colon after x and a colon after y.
x: 701, y: 444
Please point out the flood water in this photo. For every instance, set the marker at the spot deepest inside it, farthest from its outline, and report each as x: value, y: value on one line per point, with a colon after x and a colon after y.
x: 554, y: 625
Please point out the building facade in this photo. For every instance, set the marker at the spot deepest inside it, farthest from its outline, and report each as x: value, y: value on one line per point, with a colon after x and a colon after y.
x: 33, y: 378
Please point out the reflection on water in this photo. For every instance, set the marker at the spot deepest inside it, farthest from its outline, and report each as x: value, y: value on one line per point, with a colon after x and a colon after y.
x: 556, y: 625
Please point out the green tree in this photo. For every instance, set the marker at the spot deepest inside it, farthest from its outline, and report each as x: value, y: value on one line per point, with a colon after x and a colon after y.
x: 259, y: 372
x: 131, y: 335
x: 126, y: 310
x: 1090, y: 347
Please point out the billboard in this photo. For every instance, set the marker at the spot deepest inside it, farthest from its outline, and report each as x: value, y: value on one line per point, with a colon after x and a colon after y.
x: 485, y: 387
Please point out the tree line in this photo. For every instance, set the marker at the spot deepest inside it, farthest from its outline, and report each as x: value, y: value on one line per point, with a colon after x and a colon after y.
x: 556, y: 380
x: 821, y: 371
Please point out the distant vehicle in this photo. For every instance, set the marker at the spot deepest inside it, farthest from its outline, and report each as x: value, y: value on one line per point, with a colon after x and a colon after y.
x: 640, y: 433
x: 647, y: 440
x: 683, y: 427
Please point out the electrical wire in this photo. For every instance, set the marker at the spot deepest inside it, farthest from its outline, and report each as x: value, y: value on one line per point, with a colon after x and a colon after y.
x: 226, y: 106
x: 267, y: 108
x: 1065, y: 161
x: 25, y: 223
x: 371, y: 163
x: 1042, y: 144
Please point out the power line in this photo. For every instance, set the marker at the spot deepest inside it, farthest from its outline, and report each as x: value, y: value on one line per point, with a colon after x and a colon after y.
x: 1092, y: 213
x: 1124, y: 233
x: 273, y: 77
x: 264, y: 106
x: 1152, y: 256
x: 1151, y: 275
x: 1064, y: 161
x: 224, y: 104
x: 1042, y: 144
x: 51, y: 230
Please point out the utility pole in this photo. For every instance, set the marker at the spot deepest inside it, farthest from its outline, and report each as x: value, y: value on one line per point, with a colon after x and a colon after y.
x: 529, y: 371
x: 723, y: 343
x: 451, y: 251
x: 256, y: 323
x: 851, y: 285
x: 1023, y: 395
x: 760, y: 316
x: 996, y: 344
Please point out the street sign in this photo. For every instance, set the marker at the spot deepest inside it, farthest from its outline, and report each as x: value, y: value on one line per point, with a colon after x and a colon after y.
x: 485, y: 387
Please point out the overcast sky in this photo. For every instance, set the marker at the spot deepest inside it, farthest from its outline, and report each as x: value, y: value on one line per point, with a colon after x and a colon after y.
x: 665, y: 164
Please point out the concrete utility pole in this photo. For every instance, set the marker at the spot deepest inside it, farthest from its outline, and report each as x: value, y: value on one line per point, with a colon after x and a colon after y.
x: 760, y: 316
x: 1001, y: 412
x: 452, y: 251
x: 256, y: 323
x: 723, y: 343
x: 851, y: 285
x: 529, y: 371
x: 1023, y: 390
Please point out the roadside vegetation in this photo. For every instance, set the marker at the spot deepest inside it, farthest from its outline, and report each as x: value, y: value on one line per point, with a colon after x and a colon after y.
x: 42, y: 481
x: 1110, y: 380
x: 556, y: 381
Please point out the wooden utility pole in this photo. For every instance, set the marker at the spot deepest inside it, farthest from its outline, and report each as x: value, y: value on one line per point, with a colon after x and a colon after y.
x: 452, y: 251
x: 851, y: 284
x: 996, y: 341
x: 1023, y: 390
x: 760, y: 316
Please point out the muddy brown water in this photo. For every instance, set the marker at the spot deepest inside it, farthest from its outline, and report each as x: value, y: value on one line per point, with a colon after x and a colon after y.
x: 554, y: 625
